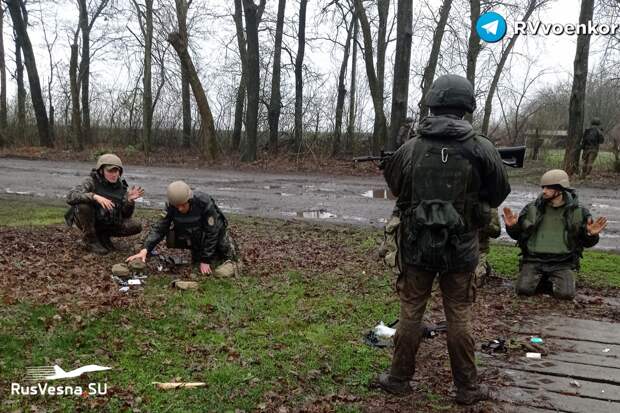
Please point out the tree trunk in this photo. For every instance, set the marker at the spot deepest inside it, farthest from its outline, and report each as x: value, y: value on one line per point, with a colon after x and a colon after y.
x: 76, y: 126
x: 578, y: 93
x: 276, y: 100
x: 253, y: 79
x: 147, y: 96
x: 351, y: 120
x: 181, y: 8
x: 85, y: 71
x: 383, y: 8
x: 299, y: 80
x: 342, y: 91
x: 38, y: 103
x: 473, y: 47
x: 207, y: 129
x: 431, y: 66
x: 402, y: 61
x: 380, y: 129
x: 240, y: 100
x: 488, y: 104
x: 20, y: 133
x: 3, y: 110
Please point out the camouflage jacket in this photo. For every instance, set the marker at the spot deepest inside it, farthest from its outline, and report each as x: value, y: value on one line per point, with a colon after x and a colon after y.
x: 207, y: 232
x: 84, y: 193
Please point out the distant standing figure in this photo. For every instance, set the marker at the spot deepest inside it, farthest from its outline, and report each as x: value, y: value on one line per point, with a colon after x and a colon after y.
x: 592, y: 138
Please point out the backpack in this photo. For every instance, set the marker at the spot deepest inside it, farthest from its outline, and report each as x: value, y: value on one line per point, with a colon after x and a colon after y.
x: 445, y: 201
x: 591, y: 138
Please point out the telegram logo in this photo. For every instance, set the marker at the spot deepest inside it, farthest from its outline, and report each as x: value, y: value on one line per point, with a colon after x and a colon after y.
x: 491, y: 27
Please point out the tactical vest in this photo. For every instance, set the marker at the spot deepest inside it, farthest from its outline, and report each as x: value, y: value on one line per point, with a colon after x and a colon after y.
x: 445, y: 201
x: 591, y: 138
x: 115, y: 193
x: 185, y: 228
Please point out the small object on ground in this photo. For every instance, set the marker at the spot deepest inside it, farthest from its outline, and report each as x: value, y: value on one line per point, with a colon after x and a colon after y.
x: 137, y: 265
x: 168, y: 386
x: 134, y: 281
x: 120, y: 270
x: 495, y: 346
x: 124, y: 289
x: 383, y: 331
x: 119, y: 281
x: 431, y: 330
x: 575, y: 383
x: 374, y: 340
x: 536, y: 340
x: 606, y: 350
x: 185, y: 285
x: 535, y: 356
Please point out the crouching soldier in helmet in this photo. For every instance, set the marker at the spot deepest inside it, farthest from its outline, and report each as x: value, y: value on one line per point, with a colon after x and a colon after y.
x: 193, y: 221
x: 102, y: 205
x: 552, y: 232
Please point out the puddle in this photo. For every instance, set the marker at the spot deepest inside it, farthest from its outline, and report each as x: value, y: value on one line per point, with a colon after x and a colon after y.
x: 379, y: 194
x: 316, y: 214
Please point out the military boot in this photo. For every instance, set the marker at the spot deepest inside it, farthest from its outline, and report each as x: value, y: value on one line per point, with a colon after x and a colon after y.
x: 94, y: 245
x: 473, y: 395
x: 394, y: 385
x: 104, y: 239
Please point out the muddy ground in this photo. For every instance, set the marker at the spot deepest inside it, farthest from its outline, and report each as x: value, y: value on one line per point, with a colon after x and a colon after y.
x: 340, y: 199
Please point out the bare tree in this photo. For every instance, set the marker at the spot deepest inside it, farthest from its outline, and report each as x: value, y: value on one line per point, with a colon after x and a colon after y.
x: 299, y: 81
x: 352, y: 87
x: 402, y: 61
x: 86, y: 23
x: 380, y: 128
x: 3, y: 110
x: 15, y: 8
x: 276, y: 99
x: 207, y: 128
x: 431, y: 66
x: 182, y: 7
x: 240, y: 100
x: 577, y: 98
x: 76, y: 123
x: 342, y: 91
x: 473, y: 47
x: 253, y: 80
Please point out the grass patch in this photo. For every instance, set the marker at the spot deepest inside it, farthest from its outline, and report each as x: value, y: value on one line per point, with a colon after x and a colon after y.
x: 554, y: 158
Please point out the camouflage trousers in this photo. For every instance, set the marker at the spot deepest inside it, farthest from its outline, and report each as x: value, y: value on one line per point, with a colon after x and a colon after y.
x: 414, y: 289
x: 84, y: 219
x: 390, y: 244
x: 533, y: 276
x: 588, y: 157
x: 483, y: 270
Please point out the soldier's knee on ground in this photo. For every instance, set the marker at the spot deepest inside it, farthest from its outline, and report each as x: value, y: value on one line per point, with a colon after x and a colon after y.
x: 227, y: 269
x: 523, y: 288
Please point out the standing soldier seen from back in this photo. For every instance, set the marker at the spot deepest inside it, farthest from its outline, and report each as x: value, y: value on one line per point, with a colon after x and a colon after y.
x: 193, y: 221
x: 592, y: 139
x: 552, y: 232
x: 446, y: 179
x: 102, y: 205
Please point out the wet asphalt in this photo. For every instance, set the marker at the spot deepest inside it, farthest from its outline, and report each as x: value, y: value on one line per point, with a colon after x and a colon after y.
x: 338, y: 199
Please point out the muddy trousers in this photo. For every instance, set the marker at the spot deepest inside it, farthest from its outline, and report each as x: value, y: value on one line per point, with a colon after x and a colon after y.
x: 92, y: 230
x: 588, y: 157
x: 561, y: 277
x: 458, y: 291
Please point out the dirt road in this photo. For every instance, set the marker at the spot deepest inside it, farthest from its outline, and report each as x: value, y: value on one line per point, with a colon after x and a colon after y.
x: 352, y: 200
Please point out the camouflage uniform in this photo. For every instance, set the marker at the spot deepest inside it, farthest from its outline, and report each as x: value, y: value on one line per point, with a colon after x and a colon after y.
x: 592, y: 138
x: 555, y: 258
x: 96, y: 223
x: 203, y: 230
x: 492, y: 230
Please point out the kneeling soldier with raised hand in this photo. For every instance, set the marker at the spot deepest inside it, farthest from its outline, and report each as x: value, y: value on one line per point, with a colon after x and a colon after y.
x: 193, y: 221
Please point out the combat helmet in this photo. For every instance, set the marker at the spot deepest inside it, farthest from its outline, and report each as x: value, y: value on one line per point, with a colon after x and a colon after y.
x: 595, y: 121
x: 178, y: 193
x: 109, y: 159
x: 555, y: 177
x: 451, y: 91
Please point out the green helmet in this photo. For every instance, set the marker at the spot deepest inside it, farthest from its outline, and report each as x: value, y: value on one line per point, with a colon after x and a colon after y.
x: 451, y: 91
x: 109, y: 159
x: 595, y: 121
x: 555, y: 177
x: 178, y: 193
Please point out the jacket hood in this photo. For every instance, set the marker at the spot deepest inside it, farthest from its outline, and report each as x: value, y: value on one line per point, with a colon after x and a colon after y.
x: 444, y: 127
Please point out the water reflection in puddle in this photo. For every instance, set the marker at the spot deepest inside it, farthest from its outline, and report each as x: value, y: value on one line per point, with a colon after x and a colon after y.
x: 316, y: 214
x: 379, y: 194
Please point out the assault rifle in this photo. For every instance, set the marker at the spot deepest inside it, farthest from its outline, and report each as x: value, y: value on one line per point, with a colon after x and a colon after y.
x: 512, y: 156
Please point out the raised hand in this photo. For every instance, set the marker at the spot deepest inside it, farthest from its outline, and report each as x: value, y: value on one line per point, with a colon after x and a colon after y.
x: 595, y: 227
x: 510, y: 218
x: 134, y: 193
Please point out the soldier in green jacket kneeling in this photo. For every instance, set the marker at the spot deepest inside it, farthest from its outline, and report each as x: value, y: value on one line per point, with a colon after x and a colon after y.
x: 552, y: 232
x: 194, y: 221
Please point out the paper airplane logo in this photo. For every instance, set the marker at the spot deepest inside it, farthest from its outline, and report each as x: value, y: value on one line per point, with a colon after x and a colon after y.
x: 55, y: 372
x: 491, y: 27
